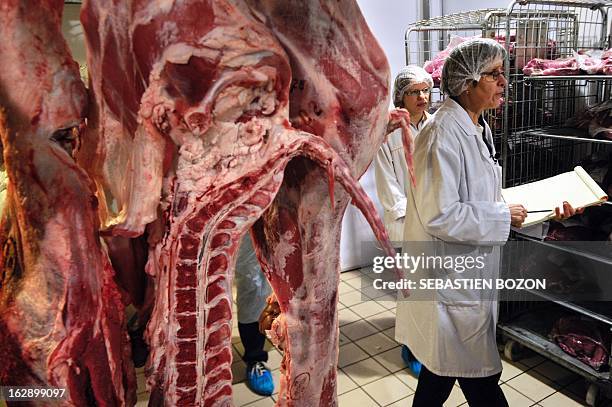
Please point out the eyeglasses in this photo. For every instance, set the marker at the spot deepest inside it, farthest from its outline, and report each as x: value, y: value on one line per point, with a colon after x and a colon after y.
x: 417, y: 92
x: 492, y: 76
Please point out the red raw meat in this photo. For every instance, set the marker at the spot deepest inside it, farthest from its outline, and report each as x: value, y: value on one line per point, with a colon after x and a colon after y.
x: 606, y: 62
x: 589, y: 62
x: 61, y: 315
x: 434, y: 67
x: 199, y: 92
x: 582, y: 339
x: 343, y: 100
x: 548, y: 67
x: 595, y: 62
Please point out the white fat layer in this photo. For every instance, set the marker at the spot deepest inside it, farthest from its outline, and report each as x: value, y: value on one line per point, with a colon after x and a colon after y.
x: 153, y: 9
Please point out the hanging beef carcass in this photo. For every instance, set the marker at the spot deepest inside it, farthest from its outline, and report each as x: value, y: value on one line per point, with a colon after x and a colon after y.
x: 341, y: 77
x: 198, y: 93
x: 61, y: 314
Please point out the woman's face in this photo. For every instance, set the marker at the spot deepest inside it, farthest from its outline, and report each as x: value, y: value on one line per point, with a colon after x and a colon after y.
x: 416, y: 98
x: 489, y: 92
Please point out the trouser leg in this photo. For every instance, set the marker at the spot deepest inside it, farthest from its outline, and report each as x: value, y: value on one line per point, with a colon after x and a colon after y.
x: 432, y: 390
x: 252, y: 289
x: 483, y: 391
x: 253, y: 342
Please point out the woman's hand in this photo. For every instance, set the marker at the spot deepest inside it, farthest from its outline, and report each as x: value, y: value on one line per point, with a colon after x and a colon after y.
x: 518, y: 213
x: 568, y: 211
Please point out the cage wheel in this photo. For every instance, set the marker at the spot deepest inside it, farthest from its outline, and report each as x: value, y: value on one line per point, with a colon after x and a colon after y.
x: 513, y: 350
x: 592, y: 395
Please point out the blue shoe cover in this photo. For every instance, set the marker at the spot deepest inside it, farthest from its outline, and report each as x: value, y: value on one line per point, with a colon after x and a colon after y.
x: 259, y: 379
x: 411, y: 361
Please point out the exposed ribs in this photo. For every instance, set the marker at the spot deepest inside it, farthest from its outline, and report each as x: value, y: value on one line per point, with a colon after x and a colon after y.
x: 201, y: 89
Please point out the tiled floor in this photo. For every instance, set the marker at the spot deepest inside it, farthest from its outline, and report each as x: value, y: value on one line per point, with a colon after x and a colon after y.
x: 371, y: 372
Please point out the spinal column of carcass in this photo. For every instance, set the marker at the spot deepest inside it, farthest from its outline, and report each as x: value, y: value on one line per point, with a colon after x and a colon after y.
x: 231, y: 155
x: 217, y: 90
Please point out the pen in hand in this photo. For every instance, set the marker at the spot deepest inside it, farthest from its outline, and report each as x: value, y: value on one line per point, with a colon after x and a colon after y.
x: 543, y: 210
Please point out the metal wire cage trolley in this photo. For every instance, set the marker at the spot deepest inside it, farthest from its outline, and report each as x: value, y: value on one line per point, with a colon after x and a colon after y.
x: 536, y: 138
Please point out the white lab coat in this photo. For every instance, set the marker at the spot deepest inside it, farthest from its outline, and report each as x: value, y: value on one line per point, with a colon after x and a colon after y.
x: 392, y: 179
x: 457, y: 199
x: 252, y: 288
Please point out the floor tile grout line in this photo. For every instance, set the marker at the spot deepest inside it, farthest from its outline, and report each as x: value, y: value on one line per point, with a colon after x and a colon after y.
x: 513, y: 377
x: 371, y: 381
x: 371, y: 316
x: 369, y: 357
x: 372, y: 356
x: 348, y: 279
x: 521, y: 393
x: 361, y: 290
x: 561, y: 386
x: 353, y: 363
x: 550, y: 395
x: 532, y: 368
x: 402, y: 399
x: 372, y: 397
x: 353, y: 341
x: 348, y: 377
x: 381, y: 352
x: 524, y: 369
x: 357, y: 303
x: 527, y: 367
x: 394, y: 375
x: 364, y: 318
x: 362, y: 389
x: 250, y: 403
x: 355, y: 279
x: 563, y: 393
x: 569, y: 384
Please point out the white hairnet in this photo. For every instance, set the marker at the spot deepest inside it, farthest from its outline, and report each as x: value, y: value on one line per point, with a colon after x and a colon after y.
x: 409, y: 75
x: 467, y: 61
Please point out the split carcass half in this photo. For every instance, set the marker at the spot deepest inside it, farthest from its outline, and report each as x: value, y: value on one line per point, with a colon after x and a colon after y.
x: 199, y: 92
x: 61, y: 314
x: 341, y: 94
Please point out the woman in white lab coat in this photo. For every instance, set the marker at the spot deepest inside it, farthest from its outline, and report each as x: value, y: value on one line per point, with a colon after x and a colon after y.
x: 411, y: 91
x: 457, y: 198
